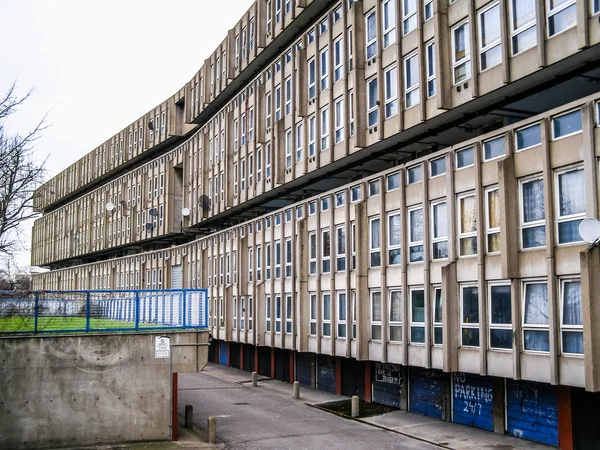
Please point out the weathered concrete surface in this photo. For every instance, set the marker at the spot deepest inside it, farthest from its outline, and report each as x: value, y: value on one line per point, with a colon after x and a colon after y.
x: 86, y: 389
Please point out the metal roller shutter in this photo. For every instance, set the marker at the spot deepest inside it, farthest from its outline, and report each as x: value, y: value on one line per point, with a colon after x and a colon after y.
x: 305, y: 368
x: 473, y: 400
x: 387, y: 380
x: 425, y: 392
x: 325, y: 373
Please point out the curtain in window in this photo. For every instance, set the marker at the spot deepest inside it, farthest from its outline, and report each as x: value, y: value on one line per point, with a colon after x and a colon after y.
x: 523, y: 12
x: 440, y: 223
x: 375, y: 234
x: 533, y: 201
x: 572, y: 303
x: 416, y: 225
x: 327, y: 307
x: 468, y: 219
x: 394, y: 229
x: 395, y: 307
x: 536, y: 304
x: 571, y: 193
x: 341, y: 240
x: 494, y: 209
x: 326, y: 244
x: 376, y: 307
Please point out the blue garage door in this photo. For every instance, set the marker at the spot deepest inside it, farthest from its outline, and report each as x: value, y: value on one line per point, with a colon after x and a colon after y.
x: 425, y: 392
x: 473, y: 401
x: 305, y: 363
x: 223, y: 348
x: 325, y: 373
x: 532, y: 411
x: 386, y: 379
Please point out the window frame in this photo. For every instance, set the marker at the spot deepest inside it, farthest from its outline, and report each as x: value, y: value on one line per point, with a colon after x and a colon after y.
x: 465, y: 60
x: 532, y: 224
x: 498, y: 326
x: 551, y: 12
x: 388, y: 15
x: 468, y: 325
x: 434, y: 323
x: 312, y: 318
x: 338, y: 58
x: 394, y: 247
x: 526, y: 127
x: 370, y: 44
x: 515, y: 32
x: 326, y: 331
x: 439, y: 239
x: 430, y: 69
x: 491, y: 231
x: 390, y: 87
x: 413, y: 89
x: 416, y: 243
x: 491, y: 46
x: 341, y: 315
x: 372, y: 104
x: 562, y: 114
x: 338, y: 119
x: 340, y: 250
x: 312, y: 253
x: 468, y: 234
x: 375, y: 323
x: 325, y: 256
x: 533, y: 327
x: 558, y: 219
x: 569, y: 328
x: 393, y: 324
x: 374, y: 250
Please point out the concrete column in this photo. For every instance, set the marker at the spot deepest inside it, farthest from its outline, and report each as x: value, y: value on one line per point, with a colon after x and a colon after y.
x: 590, y: 286
x: 296, y: 390
x: 254, y: 379
x: 355, y: 406
x: 212, y: 430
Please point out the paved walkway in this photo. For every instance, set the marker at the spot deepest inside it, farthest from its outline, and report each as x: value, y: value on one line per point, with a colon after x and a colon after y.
x: 266, y: 417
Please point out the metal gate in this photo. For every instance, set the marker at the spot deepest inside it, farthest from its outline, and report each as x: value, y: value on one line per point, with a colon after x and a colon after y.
x: 325, y: 373
x: 473, y: 400
x: 426, y: 392
x: 387, y: 382
x: 532, y: 411
x: 177, y: 277
x: 305, y: 366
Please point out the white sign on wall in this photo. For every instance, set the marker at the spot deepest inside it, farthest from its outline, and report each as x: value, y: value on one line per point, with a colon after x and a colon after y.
x: 162, y: 347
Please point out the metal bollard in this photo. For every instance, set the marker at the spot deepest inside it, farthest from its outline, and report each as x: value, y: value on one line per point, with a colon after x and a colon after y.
x: 355, y: 406
x: 296, y: 390
x: 189, y: 417
x: 212, y: 430
x: 254, y: 379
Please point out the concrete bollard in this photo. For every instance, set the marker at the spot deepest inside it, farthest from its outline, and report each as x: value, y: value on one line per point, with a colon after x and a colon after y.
x: 212, y: 430
x: 355, y: 406
x: 296, y: 390
x: 254, y: 379
x: 189, y: 417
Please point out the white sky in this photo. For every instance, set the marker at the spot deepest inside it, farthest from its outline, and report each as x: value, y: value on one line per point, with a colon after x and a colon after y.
x: 96, y: 66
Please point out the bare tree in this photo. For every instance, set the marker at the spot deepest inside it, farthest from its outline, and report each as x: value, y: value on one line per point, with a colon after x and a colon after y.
x: 20, y: 173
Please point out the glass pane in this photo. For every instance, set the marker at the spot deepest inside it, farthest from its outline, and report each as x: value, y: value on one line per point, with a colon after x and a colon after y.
x: 376, y: 332
x: 533, y: 201
x: 412, y: 72
x: 536, y: 340
x: 536, y: 304
x: 569, y: 232
x: 376, y: 307
x: 394, y: 229
x: 342, y: 330
x: 470, y: 301
x: 437, y: 336
x: 490, y: 26
x: 528, y: 137
x: 438, y: 167
x: 416, y: 225
x: 326, y: 329
x: 523, y: 12
x: 567, y: 123
x: 572, y: 342
x: 524, y: 40
x: 571, y: 193
x: 440, y: 220
x: 341, y: 241
x: 440, y: 250
x: 395, y: 307
x: 373, y: 93
x: 501, y: 339
x: 494, y: 148
x: 417, y: 334
x: 493, y: 198
x: 491, y: 58
x: 562, y: 20
x: 437, y: 316
x: 414, y: 174
x: 464, y: 158
x: 470, y: 337
x: 375, y: 234
x: 494, y: 243
x: 326, y: 307
x: 500, y: 305
x: 468, y: 246
x: 313, y: 307
x: 393, y: 181
x: 572, y: 303
x: 395, y: 257
x: 396, y: 334
x: 534, y: 237
x: 342, y: 307
x: 417, y: 306
x: 416, y: 253
x: 468, y: 218
x: 326, y: 244
x: 313, y: 329
x: 375, y: 259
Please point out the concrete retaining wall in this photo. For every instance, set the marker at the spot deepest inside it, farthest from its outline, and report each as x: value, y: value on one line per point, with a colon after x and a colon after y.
x: 85, y: 389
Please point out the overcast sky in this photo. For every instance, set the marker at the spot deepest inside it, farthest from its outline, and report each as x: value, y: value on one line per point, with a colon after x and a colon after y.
x: 96, y: 66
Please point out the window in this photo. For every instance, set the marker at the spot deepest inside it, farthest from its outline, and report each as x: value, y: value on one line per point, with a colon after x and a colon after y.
x: 430, y: 52
x: 373, y: 188
x: 311, y: 135
x: 288, y: 96
x: 323, y: 26
x: 571, y: 324
x: 350, y: 59
x: 570, y: 207
x: 391, y: 92
x: 299, y: 212
x: 415, y: 239
x: 523, y: 25
x: 393, y: 181
x: 437, y: 316
x: 492, y: 207
x: 338, y: 59
x: 409, y: 15
x: 353, y: 246
x: 288, y: 148
x: 277, y: 259
x: 595, y: 6
x: 250, y: 312
x: 325, y: 204
x: 376, y: 316
x: 339, y: 120
x: 371, y: 34
x: 278, y: 314
x: 428, y: 9
x: 268, y: 313
x: 326, y: 314
x: 372, y: 100
x: 326, y: 249
x: 461, y: 55
x: 414, y: 174
x: 340, y: 199
x: 464, y: 158
x: 324, y: 72
x: 250, y: 264
x: 437, y: 167
x: 535, y: 317
x: 277, y: 102
x: 312, y: 255
x: 467, y: 228
x: 268, y: 161
x: 439, y: 229
x: 310, y: 36
x: 268, y: 111
x: 469, y: 316
x: 341, y: 315
x: 389, y: 23
x: 288, y: 215
x: 288, y: 313
x: 411, y: 80
x: 324, y: 128
x: 341, y: 248
x: 417, y: 316
x: 312, y: 79
x: 268, y: 261
x: 313, y: 314
x: 562, y: 15
x: 288, y: 6
x: 533, y: 225
x: 493, y: 149
x: 355, y: 193
x: 501, y: 335
x: 490, y: 52
x: 242, y: 177
x: 243, y: 128
x: 566, y: 124
x: 395, y: 324
x: 277, y: 11
x: 337, y: 14
x: 312, y: 208
x: 528, y: 137
x: 235, y: 312
x: 375, y: 243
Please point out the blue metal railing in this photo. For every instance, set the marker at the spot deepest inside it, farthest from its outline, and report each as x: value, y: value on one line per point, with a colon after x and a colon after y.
x: 102, y: 310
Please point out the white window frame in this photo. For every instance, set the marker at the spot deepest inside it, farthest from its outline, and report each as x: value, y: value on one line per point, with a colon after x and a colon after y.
x: 466, y: 59
x: 370, y: 44
x: 289, y: 309
x: 497, y: 326
x: 394, y: 324
x: 288, y: 148
x: 324, y: 128
x: 388, y: 14
x: 571, y: 217
x: 338, y: 58
x: 339, y: 119
x: 515, y: 32
x: 278, y: 314
x: 554, y: 138
x: 312, y: 327
x: 312, y: 125
x: 278, y: 103
x: 288, y: 96
x: 372, y: 104
x: 374, y: 250
x: 532, y: 224
x: 490, y: 46
x: 409, y: 17
x: 299, y: 139
x: 415, y: 243
x: 517, y: 149
x: 438, y: 239
x: 472, y: 149
x: 375, y: 324
x: 325, y: 258
x: 288, y: 257
x: 491, y: 231
x: 341, y: 328
x: 391, y: 88
x: 312, y: 78
x: 326, y: 323
x: 413, y: 323
x: 413, y: 89
x: 467, y: 234
x: 340, y: 250
x: 323, y: 69
x: 568, y: 328
x: 436, y: 324
x: 532, y: 327
x: 312, y: 253
x: 467, y: 325
x: 393, y: 247
x: 550, y: 12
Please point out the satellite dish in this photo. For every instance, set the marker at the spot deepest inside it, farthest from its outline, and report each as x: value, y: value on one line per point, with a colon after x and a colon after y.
x: 149, y: 227
x: 152, y: 212
x: 589, y: 230
x: 185, y: 212
x: 204, y: 202
x: 110, y: 206
x: 151, y: 125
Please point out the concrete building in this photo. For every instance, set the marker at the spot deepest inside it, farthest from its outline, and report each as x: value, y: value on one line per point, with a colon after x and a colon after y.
x: 383, y: 198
